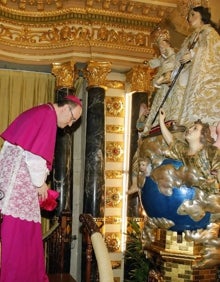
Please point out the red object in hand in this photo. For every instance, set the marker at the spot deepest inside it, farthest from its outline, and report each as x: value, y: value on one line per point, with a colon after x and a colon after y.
x: 156, y: 129
x: 50, y: 203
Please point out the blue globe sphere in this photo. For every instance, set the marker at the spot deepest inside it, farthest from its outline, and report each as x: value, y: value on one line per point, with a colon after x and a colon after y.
x: 159, y: 205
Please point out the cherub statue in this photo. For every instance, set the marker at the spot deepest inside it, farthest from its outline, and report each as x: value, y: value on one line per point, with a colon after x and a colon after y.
x: 140, y: 166
x: 138, y: 179
x: 165, y: 64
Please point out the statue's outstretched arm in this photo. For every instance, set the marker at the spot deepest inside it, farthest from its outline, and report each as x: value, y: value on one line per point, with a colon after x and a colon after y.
x: 167, y: 135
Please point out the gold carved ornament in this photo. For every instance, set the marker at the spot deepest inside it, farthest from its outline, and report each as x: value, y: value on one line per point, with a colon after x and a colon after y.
x: 96, y: 73
x: 140, y: 78
x: 64, y: 73
x: 114, y: 151
x: 113, y: 241
x: 113, y: 196
x: 115, y: 106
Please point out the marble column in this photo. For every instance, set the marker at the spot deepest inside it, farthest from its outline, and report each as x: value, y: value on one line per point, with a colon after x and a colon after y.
x: 94, y: 181
x: 62, y: 178
x: 94, y: 184
x: 139, y: 78
x: 134, y: 206
x: 62, y: 166
x: 94, y: 161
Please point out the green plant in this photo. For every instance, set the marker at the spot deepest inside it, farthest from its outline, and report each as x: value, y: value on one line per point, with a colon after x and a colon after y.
x: 137, y: 266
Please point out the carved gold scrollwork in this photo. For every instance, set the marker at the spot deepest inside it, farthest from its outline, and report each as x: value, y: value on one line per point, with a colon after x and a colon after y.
x: 114, y: 174
x: 114, y: 151
x: 112, y: 128
x: 115, y: 106
x: 140, y: 78
x: 113, y: 197
x: 40, y: 5
x: 113, y: 241
x: 115, y: 84
x: 113, y: 220
x: 64, y: 73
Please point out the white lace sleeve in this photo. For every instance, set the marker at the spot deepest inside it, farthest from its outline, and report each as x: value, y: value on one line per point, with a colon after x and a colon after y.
x: 37, y: 168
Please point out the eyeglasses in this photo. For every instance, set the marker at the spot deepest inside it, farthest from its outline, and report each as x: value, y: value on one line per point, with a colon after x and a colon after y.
x: 73, y: 119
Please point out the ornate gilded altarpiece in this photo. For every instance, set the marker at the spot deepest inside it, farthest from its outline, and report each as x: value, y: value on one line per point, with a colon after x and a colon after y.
x: 50, y: 32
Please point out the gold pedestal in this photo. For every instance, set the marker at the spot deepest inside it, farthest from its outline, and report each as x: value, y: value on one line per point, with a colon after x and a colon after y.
x: 175, y: 258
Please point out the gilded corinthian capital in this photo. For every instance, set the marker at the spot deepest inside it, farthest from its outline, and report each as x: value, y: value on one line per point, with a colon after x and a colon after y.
x: 64, y: 73
x: 96, y: 73
x: 140, y: 78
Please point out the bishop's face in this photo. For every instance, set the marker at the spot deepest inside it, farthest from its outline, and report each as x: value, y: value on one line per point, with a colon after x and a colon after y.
x: 68, y: 115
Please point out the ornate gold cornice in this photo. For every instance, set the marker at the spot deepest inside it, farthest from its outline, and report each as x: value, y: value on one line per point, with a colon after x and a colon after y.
x: 61, y: 40
x: 43, y: 31
x: 93, y: 15
x: 72, y: 33
x: 126, y: 7
x: 38, y: 5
